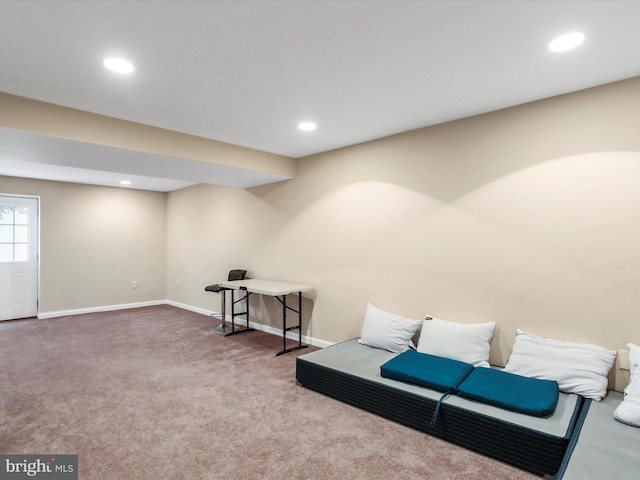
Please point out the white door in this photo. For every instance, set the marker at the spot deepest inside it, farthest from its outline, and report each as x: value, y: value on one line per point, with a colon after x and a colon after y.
x: 18, y: 257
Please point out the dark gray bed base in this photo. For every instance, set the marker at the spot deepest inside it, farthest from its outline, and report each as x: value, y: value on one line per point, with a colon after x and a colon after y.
x: 530, y: 450
x: 574, y: 439
x: 605, y: 448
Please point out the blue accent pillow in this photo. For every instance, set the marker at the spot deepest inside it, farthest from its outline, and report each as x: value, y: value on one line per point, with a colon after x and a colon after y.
x: 437, y: 373
x: 531, y: 396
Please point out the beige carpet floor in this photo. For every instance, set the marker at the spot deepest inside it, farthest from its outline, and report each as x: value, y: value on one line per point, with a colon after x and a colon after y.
x: 149, y: 394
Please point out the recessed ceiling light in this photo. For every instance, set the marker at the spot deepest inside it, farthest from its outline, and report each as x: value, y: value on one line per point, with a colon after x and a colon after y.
x: 306, y: 126
x: 119, y: 65
x: 125, y: 182
x: 566, y: 42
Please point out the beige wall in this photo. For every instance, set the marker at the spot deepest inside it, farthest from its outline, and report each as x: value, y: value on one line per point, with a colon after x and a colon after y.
x: 526, y: 216
x: 94, y: 242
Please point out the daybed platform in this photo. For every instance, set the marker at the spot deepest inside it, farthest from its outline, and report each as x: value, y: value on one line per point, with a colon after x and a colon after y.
x: 350, y: 372
x: 604, y: 448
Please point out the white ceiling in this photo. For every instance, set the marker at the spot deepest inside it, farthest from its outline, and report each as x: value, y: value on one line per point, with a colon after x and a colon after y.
x: 247, y: 72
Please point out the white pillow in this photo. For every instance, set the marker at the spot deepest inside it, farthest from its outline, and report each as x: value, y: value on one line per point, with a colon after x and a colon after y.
x: 466, y: 342
x: 577, y: 367
x: 387, y: 330
x: 629, y: 409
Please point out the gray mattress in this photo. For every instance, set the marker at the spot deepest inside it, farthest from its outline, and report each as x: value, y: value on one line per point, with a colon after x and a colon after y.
x: 350, y: 372
x: 605, y: 448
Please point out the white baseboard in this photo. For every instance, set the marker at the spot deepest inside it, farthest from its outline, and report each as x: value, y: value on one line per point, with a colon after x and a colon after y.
x: 241, y: 322
x: 291, y: 335
x: 184, y: 306
x: 257, y: 326
x: 104, y: 308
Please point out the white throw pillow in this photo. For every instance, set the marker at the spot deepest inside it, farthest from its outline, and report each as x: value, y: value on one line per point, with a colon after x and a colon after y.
x: 629, y: 409
x: 578, y: 368
x: 387, y: 330
x: 466, y: 342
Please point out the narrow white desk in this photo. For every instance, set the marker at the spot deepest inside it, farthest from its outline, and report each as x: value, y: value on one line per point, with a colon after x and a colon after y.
x: 276, y: 289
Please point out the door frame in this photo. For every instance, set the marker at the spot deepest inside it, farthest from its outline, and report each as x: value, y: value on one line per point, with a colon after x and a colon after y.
x: 38, y: 236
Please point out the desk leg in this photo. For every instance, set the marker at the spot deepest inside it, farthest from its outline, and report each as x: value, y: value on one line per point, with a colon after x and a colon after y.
x: 285, y: 329
x: 238, y: 314
x: 300, y: 319
x: 284, y: 322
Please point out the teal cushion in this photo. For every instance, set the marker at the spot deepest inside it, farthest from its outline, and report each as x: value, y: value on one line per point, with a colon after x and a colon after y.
x: 513, y: 392
x: 437, y: 373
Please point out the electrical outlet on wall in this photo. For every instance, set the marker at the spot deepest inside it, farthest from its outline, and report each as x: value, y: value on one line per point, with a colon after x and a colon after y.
x: 623, y: 359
